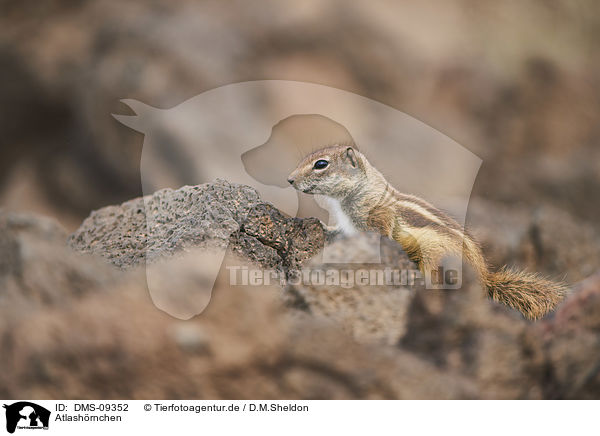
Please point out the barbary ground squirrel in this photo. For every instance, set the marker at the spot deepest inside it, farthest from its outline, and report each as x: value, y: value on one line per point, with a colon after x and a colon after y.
x: 426, y: 234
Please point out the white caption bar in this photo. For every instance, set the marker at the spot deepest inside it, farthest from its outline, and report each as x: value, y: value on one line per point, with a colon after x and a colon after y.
x: 298, y: 417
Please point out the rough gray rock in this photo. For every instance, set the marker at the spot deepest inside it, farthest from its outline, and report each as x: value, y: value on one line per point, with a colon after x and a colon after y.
x: 216, y: 214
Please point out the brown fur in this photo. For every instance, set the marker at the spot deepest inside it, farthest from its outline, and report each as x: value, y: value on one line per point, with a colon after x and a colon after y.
x: 426, y: 233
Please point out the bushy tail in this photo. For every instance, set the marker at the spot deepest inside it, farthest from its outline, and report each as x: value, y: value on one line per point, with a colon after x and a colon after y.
x: 529, y: 293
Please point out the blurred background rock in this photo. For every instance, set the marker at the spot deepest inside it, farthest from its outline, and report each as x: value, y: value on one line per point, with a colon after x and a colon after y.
x: 516, y: 83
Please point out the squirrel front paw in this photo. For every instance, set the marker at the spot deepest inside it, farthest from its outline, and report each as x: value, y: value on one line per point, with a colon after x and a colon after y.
x: 332, y: 232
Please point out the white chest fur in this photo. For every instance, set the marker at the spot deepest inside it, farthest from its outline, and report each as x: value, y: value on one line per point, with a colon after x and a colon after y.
x: 341, y: 220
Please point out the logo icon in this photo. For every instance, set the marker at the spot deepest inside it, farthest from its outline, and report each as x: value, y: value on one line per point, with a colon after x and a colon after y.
x: 26, y: 415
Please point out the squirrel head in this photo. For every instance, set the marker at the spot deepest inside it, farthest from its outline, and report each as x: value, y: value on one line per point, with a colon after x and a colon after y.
x: 333, y: 171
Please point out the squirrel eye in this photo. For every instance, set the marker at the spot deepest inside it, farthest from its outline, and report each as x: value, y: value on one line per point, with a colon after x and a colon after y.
x: 320, y: 164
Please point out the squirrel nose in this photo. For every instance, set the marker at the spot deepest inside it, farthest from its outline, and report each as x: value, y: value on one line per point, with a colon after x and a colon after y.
x: 291, y: 181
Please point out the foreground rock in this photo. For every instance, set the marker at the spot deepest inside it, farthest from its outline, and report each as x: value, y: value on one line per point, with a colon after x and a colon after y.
x: 74, y: 326
x: 37, y: 270
x: 571, y: 344
x: 112, y: 342
x: 216, y: 214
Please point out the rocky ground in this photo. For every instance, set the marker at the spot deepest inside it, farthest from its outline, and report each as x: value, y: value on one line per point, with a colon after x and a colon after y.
x: 78, y: 321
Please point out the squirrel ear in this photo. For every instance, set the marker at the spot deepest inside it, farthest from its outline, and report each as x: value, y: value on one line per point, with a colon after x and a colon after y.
x: 352, y: 157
